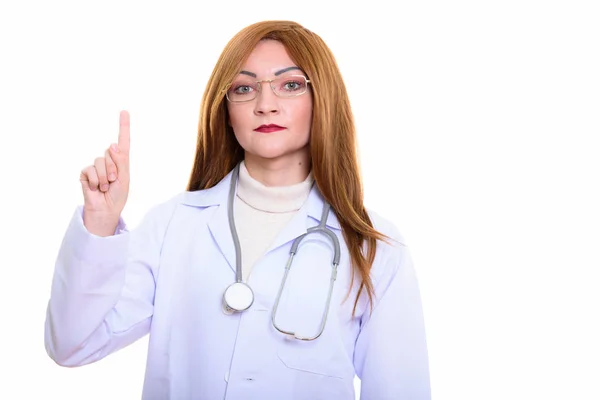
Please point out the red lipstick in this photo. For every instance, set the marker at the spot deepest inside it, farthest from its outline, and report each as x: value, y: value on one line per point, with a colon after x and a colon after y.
x: 269, y: 128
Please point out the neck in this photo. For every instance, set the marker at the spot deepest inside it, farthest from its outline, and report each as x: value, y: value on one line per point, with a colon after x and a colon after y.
x: 278, y: 172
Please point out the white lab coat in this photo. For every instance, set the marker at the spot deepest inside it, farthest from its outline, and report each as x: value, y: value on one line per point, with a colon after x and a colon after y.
x: 167, y: 278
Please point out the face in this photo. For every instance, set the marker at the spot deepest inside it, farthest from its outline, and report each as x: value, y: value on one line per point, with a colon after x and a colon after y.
x: 251, y: 120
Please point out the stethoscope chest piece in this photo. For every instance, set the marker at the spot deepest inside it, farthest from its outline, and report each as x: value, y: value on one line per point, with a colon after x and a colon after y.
x: 237, y: 297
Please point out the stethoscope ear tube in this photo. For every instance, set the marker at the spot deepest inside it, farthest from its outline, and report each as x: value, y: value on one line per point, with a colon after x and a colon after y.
x: 238, y: 296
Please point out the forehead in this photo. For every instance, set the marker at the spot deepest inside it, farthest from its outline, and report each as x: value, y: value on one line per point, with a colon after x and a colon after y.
x: 268, y: 57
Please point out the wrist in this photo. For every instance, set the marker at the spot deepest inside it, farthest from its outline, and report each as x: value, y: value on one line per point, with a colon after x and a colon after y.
x: 100, y: 223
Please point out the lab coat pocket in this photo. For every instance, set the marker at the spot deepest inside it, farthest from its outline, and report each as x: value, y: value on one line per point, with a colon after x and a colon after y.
x: 301, y: 309
x: 311, y: 357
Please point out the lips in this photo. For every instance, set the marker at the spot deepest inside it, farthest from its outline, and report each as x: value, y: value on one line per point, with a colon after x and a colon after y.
x: 269, y: 128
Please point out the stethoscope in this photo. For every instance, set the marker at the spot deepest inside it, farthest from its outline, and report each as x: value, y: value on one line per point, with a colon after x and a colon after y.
x: 239, y: 296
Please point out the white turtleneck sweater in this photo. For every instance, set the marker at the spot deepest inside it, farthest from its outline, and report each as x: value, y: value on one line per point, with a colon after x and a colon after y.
x: 261, y: 211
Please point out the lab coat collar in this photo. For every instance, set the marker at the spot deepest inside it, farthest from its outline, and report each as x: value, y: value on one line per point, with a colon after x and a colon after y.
x: 218, y: 195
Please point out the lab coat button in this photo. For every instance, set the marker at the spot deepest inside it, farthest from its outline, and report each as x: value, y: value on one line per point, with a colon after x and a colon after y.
x: 227, y: 376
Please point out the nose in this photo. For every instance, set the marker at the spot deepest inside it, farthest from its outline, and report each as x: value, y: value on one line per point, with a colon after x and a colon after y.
x: 266, y: 101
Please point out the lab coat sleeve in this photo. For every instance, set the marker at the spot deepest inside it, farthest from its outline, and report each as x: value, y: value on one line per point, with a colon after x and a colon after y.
x: 102, y: 292
x: 391, y: 353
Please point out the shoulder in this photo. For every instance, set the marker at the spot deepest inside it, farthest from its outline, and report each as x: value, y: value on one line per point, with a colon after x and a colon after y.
x: 158, y: 216
x: 198, y: 198
x: 161, y: 216
x: 169, y: 205
x: 386, y: 227
x: 392, y: 253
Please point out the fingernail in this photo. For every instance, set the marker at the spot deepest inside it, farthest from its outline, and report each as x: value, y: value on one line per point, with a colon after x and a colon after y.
x: 112, y: 176
x: 114, y: 148
x: 104, y: 187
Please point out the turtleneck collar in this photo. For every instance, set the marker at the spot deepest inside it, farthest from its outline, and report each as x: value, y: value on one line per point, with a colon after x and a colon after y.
x: 273, y: 199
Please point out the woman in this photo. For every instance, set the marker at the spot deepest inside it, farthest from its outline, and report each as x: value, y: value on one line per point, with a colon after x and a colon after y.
x: 208, y: 273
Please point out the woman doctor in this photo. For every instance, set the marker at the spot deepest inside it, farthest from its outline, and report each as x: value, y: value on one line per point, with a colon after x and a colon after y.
x: 267, y: 278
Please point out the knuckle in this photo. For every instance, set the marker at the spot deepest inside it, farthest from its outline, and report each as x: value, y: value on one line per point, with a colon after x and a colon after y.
x: 89, y: 171
x: 92, y: 173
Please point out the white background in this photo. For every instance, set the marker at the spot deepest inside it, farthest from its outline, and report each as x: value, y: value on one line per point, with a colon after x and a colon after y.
x: 478, y: 124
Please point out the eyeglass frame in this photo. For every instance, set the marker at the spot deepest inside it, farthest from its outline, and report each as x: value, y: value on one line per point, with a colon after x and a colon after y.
x: 270, y: 82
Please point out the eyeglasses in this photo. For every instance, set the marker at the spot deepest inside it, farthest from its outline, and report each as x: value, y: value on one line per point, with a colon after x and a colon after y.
x: 245, y: 89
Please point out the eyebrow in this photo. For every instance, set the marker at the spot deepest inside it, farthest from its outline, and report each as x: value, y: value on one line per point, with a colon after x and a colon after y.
x: 281, y: 71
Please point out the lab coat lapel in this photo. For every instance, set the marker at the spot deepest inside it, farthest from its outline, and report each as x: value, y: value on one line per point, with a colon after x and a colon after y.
x: 218, y: 224
x: 293, y: 229
x: 219, y: 228
x: 307, y: 216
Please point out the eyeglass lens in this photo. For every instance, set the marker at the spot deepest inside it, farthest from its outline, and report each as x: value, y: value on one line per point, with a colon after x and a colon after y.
x: 244, y: 88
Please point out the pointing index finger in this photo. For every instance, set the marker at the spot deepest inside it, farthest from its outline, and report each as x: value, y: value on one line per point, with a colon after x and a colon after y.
x: 124, y: 132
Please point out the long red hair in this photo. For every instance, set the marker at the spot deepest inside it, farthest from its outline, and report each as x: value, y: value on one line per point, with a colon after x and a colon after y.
x: 332, y: 141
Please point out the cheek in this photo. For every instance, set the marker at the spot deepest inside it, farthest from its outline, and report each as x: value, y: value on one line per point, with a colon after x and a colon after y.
x: 234, y: 119
x: 233, y: 116
x: 238, y: 114
x: 304, y: 115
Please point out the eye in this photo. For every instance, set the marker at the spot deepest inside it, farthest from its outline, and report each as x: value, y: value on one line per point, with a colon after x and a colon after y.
x: 292, y: 85
x: 243, y: 89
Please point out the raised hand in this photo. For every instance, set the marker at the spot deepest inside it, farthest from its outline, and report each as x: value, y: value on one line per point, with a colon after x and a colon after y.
x: 105, y: 184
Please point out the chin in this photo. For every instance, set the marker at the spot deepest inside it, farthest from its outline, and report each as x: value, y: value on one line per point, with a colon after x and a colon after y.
x: 275, y: 153
x: 271, y: 155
